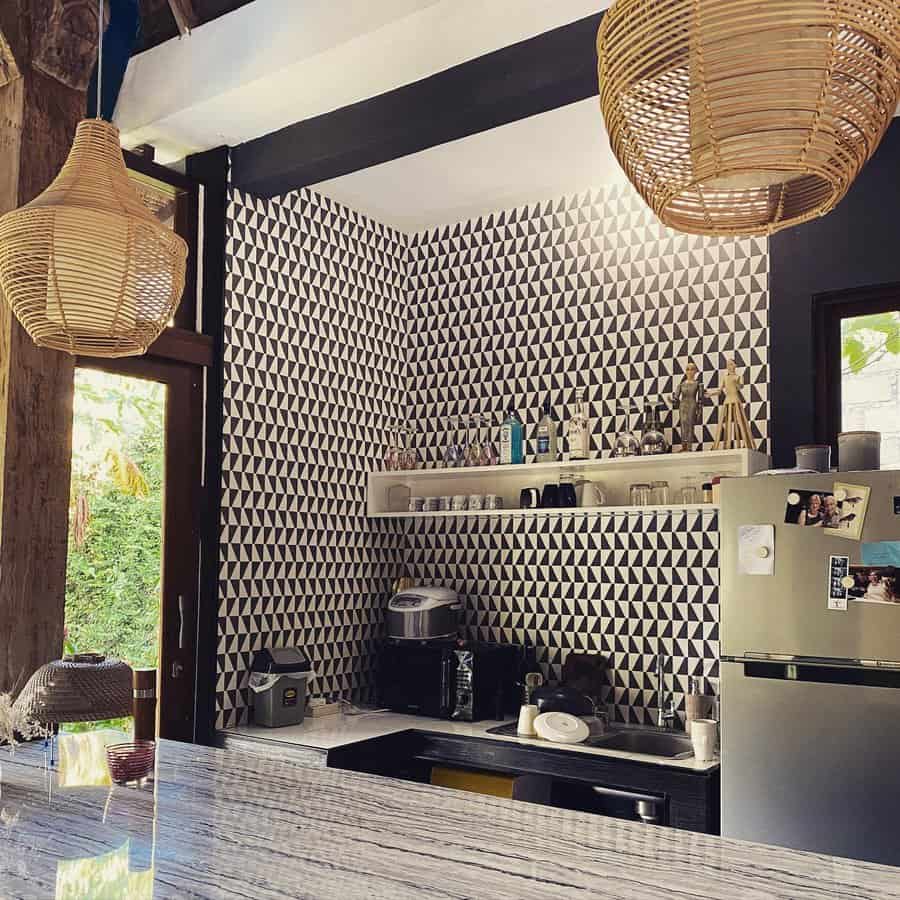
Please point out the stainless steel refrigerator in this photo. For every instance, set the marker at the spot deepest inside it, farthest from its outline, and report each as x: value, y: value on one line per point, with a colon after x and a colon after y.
x: 810, y: 696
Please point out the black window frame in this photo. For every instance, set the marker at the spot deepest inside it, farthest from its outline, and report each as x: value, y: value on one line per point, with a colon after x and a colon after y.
x: 829, y: 310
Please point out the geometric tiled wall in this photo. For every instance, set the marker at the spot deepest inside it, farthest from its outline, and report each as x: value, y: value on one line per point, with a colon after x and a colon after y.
x: 339, y: 328
x: 627, y: 586
x: 588, y: 290
x: 314, y: 369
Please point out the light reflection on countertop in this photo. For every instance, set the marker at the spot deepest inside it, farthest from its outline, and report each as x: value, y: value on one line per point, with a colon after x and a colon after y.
x: 229, y: 824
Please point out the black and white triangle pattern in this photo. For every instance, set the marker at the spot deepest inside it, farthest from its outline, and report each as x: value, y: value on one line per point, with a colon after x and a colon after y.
x: 314, y: 378
x: 628, y: 586
x: 339, y: 328
x: 589, y: 290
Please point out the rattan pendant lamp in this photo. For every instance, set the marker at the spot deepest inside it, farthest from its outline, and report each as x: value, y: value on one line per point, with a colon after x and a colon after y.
x: 743, y: 117
x: 85, y: 266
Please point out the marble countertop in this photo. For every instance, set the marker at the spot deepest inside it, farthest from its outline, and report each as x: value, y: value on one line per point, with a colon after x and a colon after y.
x: 328, y: 732
x: 228, y: 824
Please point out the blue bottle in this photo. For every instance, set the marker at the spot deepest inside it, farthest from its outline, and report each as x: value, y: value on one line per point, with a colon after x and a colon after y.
x: 512, y: 439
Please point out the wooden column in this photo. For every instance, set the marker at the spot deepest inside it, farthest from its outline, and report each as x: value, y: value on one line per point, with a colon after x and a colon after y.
x: 47, y: 50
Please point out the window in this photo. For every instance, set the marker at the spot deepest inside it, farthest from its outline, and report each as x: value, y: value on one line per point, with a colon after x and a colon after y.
x: 858, y: 368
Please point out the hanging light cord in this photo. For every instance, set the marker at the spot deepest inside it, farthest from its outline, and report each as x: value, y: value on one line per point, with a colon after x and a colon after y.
x: 100, y: 59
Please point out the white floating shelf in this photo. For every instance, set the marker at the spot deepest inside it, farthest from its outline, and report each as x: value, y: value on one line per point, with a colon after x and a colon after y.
x: 565, y: 511
x: 389, y: 492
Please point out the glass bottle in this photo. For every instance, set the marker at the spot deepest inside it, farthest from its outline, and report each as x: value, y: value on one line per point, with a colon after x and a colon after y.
x: 512, y: 444
x: 547, y: 436
x: 578, y: 433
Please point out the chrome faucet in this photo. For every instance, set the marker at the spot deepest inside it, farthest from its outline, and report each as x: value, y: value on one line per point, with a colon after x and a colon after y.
x: 665, y: 717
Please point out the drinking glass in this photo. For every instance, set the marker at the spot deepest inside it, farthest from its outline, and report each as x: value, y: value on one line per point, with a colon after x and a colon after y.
x: 659, y: 493
x: 689, y: 493
x: 490, y: 456
x: 453, y: 450
x: 392, y: 453
x: 627, y: 443
x: 473, y: 450
x: 409, y: 455
x: 640, y: 494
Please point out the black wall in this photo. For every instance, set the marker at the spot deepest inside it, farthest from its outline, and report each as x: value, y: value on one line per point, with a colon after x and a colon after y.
x: 857, y: 245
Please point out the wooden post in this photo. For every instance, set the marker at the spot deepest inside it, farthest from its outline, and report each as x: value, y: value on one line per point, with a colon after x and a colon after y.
x: 38, y: 115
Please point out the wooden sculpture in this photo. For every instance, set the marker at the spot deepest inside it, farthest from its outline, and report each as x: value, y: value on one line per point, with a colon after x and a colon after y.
x: 734, y: 429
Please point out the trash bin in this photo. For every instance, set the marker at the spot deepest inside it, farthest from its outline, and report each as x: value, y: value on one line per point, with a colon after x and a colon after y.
x: 278, y: 679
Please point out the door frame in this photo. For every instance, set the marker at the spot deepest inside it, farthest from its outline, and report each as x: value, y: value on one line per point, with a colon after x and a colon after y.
x: 181, y: 531
x: 828, y: 311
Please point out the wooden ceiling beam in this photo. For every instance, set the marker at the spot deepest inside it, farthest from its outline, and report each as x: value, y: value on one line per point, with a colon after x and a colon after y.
x: 185, y: 15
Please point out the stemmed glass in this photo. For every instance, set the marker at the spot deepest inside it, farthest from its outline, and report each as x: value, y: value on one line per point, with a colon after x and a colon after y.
x: 411, y: 457
x: 473, y: 448
x: 490, y: 456
x: 392, y: 453
x: 453, y: 452
x: 627, y: 443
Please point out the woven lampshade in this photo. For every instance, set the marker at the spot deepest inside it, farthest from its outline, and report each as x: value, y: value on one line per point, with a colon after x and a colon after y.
x: 83, y: 688
x: 742, y: 117
x: 85, y: 266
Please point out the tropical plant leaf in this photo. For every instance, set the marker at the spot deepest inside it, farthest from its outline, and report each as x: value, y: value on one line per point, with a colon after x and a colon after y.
x: 854, y: 351
x: 126, y: 475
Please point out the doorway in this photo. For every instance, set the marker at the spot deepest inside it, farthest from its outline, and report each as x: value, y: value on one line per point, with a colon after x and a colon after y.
x: 133, y: 562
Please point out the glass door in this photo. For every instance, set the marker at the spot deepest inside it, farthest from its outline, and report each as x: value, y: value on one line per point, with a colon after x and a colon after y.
x: 132, y: 575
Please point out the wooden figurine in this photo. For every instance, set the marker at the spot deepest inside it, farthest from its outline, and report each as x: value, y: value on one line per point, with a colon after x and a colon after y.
x: 688, y: 398
x: 734, y: 429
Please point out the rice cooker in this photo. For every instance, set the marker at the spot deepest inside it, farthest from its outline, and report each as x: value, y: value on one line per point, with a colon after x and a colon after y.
x: 423, y: 613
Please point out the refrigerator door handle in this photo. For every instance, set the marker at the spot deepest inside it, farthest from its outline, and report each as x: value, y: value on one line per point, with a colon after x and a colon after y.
x: 817, y: 673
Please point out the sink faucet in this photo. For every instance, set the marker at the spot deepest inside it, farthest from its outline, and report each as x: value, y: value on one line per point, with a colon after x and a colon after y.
x: 665, y: 717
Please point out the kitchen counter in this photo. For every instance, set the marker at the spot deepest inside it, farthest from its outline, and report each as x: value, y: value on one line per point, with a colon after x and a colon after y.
x: 225, y: 824
x: 329, y: 732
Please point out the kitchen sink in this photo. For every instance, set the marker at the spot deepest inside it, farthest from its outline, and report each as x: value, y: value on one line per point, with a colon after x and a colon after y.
x: 651, y: 743
x: 629, y: 738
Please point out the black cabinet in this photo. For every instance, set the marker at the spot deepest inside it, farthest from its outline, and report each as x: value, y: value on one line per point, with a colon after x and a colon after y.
x: 606, y: 785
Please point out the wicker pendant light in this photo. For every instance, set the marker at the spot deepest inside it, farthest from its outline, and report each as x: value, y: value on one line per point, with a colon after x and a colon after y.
x: 85, y: 266
x: 742, y: 117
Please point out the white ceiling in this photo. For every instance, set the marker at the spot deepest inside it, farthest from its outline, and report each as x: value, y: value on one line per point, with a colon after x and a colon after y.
x: 272, y: 63
x: 561, y: 151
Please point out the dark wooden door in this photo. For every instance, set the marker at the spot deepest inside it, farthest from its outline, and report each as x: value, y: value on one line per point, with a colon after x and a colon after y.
x: 181, y: 534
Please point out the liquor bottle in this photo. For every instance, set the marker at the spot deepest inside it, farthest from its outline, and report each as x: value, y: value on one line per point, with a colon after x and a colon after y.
x: 547, y: 436
x: 579, y: 433
x: 512, y: 445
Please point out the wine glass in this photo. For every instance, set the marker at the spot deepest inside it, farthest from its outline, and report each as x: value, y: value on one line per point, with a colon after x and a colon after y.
x: 473, y: 450
x: 453, y: 450
x: 490, y: 455
x: 410, y: 457
x: 392, y: 453
x: 627, y: 443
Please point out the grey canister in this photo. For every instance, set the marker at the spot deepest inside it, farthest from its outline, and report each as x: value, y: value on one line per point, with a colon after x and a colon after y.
x: 813, y: 456
x: 859, y: 451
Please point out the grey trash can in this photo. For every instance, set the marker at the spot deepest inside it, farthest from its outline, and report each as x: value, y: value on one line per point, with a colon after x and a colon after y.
x: 278, y: 680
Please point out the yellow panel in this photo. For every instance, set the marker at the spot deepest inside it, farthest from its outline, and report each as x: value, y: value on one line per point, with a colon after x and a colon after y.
x: 473, y: 782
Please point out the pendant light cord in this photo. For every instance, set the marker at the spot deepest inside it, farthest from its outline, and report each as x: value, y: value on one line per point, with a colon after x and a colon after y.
x: 100, y: 59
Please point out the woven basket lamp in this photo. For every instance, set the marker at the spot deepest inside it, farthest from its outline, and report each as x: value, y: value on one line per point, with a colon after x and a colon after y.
x: 743, y: 117
x: 85, y: 266
x: 82, y: 688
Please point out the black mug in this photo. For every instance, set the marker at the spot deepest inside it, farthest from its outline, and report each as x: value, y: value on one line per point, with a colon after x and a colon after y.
x: 567, y: 495
x: 530, y: 498
x: 550, y: 496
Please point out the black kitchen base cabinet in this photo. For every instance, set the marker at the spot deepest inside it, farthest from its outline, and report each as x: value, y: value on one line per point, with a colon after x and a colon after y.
x: 591, y: 783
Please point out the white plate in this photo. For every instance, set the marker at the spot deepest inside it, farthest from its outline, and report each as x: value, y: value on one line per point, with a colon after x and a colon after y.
x: 561, y: 728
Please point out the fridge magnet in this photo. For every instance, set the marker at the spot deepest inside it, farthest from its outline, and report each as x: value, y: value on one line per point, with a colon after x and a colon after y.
x: 850, y: 502
x: 881, y: 553
x: 818, y: 509
x: 756, y: 549
x: 838, y: 581
x: 875, y: 584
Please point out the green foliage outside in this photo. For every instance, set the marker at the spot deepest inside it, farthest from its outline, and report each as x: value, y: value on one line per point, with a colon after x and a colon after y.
x: 865, y: 340
x: 115, y: 536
